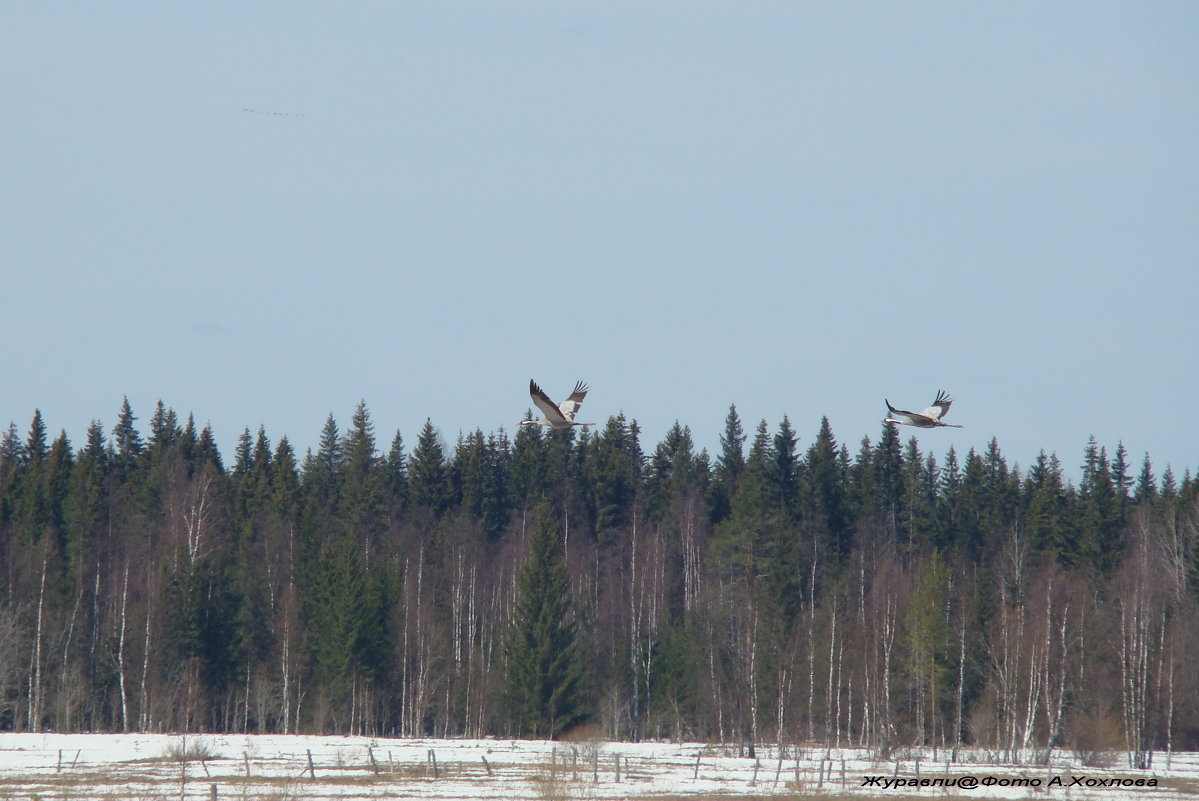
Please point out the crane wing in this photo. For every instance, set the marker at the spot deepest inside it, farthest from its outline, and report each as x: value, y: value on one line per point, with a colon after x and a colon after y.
x: 572, y: 403
x: 940, y: 406
x: 912, y: 418
x: 543, y: 402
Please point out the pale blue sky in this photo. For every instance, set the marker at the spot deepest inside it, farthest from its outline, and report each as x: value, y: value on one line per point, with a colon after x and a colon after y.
x: 796, y: 207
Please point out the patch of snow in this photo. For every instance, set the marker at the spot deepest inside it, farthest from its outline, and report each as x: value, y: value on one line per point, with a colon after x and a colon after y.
x: 152, y: 766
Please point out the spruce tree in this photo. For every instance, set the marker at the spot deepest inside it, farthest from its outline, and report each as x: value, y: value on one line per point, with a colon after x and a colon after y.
x: 86, y: 506
x: 918, y: 508
x: 478, y: 479
x: 467, y: 472
x: 544, y: 678
x: 970, y: 525
x: 285, y: 480
x: 12, y: 458
x: 825, y: 488
x: 396, y: 472
x: 729, y: 465
x: 786, y: 468
x: 496, y: 504
x: 35, y: 508
x: 615, y: 476
x: 329, y: 459
x: 427, y: 473
x: 1122, y: 481
x: 321, y: 475
x: 207, y: 451
x: 731, y: 461
x: 60, y: 463
x: 260, y: 470
x: 1169, y: 489
x: 188, y: 441
x: 336, y: 606
x: 243, y: 456
x: 362, y: 508
x: 672, y: 468
x: 883, y: 483
x: 128, y: 441
x: 1100, y: 526
x: 527, y: 476
x: 1146, y: 482
x: 164, y: 427
x: 35, y: 445
x: 751, y: 544
x: 12, y: 450
x: 1047, y: 511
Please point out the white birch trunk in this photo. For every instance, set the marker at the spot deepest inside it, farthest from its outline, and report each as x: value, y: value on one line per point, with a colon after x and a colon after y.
x: 635, y: 604
x: 285, y: 650
x: 957, y: 734
x: 719, y: 703
x: 35, y: 667
x: 196, y: 518
x: 889, y: 627
x: 121, y: 652
x: 752, y: 633
x: 405, y: 689
x: 812, y: 651
x: 65, y: 700
x: 837, y: 687
x: 143, y: 720
x: 829, y: 724
x: 868, y: 661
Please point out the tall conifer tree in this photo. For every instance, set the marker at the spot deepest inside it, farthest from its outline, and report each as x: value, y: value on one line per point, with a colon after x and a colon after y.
x: 544, y: 680
x: 127, y: 440
x: 729, y: 465
x: 427, y: 484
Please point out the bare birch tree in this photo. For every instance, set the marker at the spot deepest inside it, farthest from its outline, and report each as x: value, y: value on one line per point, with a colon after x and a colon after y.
x: 1140, y: 615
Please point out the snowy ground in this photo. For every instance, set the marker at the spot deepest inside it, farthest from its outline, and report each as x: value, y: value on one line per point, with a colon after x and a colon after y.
x: 136, y: 767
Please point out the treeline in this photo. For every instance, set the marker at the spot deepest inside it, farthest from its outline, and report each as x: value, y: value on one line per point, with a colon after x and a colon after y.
x: 771, y: 592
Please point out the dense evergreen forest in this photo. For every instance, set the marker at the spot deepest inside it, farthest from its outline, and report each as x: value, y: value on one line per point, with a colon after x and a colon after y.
x: 771, y: 592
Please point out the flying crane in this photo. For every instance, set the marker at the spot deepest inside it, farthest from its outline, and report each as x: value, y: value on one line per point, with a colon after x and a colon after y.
x: 557, y: 417
x: 929, y: 418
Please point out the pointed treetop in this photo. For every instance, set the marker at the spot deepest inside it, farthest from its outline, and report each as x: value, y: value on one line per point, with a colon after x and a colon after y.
x: 35, y: 445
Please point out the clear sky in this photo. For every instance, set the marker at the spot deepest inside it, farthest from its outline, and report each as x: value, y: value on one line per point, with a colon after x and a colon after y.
x: 262, y: 213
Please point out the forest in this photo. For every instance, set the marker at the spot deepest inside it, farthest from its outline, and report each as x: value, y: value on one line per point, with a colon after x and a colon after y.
x: 564, y: 580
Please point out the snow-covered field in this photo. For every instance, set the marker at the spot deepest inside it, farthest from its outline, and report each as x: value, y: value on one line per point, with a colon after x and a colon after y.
x: 132, y: 767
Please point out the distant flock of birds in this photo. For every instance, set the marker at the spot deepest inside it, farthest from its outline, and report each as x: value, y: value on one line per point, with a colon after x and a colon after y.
x: 562, y: 416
